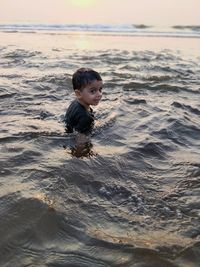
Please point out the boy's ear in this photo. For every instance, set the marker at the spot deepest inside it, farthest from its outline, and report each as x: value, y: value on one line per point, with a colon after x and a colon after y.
x: 77, y: 93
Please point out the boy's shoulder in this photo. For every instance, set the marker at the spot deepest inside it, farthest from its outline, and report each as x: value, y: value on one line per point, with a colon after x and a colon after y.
x: 75, y: 107
x: 74, y: 103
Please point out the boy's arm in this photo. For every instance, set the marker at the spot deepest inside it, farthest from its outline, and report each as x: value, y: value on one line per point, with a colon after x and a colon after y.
x: 82, y: 146
x: 82, y: 139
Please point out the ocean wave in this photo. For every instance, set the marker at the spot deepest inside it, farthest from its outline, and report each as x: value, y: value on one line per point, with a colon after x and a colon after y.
x: 187, y: 27
x: 21, y: 53
x: 124, y: 29
x: 186, y: 107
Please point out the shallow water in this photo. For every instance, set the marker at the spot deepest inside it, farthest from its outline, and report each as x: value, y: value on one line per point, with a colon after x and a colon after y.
x: 136, y: 202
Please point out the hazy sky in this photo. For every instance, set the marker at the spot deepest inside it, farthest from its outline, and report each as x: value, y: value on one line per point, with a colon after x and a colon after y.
x: 153, y: 12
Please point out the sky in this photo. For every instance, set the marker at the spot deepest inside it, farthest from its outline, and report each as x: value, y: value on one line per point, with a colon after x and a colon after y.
x: 149, y: 12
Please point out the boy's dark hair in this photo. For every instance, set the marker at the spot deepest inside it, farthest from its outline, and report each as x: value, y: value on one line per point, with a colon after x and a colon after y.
x: 84, y: 76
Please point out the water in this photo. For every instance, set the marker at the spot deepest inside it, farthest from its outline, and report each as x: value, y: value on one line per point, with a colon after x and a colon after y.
x: 134, y: 203
x: 189, y: 31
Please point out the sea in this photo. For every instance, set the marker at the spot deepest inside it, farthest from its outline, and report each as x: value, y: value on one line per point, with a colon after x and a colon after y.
x: 134, y: 201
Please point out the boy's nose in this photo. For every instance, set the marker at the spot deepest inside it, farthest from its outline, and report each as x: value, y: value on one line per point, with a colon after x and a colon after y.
x: 99, y: 93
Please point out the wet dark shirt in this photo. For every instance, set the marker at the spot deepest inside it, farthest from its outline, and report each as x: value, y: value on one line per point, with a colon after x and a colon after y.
x: 78, y: 118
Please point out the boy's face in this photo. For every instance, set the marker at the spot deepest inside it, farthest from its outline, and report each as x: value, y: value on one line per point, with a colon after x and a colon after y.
x: 91, y: 94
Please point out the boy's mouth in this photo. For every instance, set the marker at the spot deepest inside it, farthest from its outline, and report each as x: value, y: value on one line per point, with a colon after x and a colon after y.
x: 96, y: 101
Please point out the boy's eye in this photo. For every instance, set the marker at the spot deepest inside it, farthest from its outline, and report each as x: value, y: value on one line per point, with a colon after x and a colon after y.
x: 93, y: 91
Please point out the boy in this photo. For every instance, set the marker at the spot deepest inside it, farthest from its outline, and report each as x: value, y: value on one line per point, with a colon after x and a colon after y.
x: 87, y: 85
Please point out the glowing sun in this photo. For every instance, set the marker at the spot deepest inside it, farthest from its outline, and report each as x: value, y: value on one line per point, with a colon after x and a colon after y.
x: 83, y: 3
